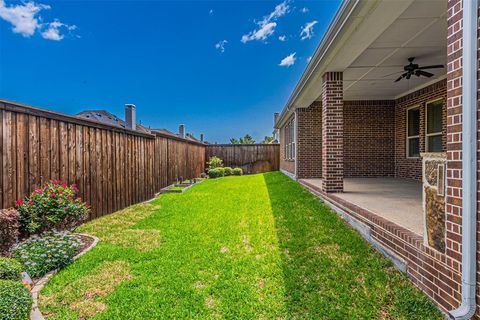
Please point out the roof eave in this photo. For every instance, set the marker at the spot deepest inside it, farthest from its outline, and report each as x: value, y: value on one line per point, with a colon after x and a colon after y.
x: 339, y: 20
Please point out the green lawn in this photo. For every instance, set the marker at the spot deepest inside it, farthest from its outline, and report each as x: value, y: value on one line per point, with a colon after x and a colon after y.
x: 251, y: 247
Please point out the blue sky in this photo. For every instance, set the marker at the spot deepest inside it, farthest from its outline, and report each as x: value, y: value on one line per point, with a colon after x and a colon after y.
x: 170, y: 59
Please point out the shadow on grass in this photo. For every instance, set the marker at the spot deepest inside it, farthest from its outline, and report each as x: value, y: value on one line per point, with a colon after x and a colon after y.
x: 330, y: 272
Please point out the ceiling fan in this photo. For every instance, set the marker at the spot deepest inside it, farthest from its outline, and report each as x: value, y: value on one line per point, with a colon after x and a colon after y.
x: 414, y: 69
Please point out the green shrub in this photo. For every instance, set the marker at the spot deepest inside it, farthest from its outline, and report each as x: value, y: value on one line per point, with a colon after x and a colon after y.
x: 228, y: 171
x: 52, y: 207
x: 237, y: 171
x: 216, y: 173
x: 9, y: 229
x: 214, y: 162
x: 10, y: 269
x: 15, y: 300
x: 51, y: 250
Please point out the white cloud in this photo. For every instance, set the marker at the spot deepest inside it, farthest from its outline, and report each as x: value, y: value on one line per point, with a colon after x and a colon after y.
x: 210, y: 12
x: 261, y: 34
x: 288, y: 60
x: 221, y: 45
x: 267, y: 24
x: 282, y: 38
x: 309, y: 58
x: 25, y: 19
x: 307, y: 30
x: 304, y: 10
x: 53, y: 31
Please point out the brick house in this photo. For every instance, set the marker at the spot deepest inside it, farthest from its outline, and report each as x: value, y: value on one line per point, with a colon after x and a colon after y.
x: 396, y: 158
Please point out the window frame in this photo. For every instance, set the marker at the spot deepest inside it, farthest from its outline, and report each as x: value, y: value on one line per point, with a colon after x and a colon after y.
x: 440, y: 133
x: 289, y: 147
x: 407, y: 137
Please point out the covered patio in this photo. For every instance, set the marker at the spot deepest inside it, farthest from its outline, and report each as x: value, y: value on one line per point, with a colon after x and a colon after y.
x: 396, y: 200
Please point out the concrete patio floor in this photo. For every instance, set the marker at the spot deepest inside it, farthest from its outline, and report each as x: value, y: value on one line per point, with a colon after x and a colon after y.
x: 396, y: 200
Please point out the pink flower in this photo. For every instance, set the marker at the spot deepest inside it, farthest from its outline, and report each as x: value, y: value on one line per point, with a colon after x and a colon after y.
x: 60, y: 192
x: 52, y: 194
x: 30, y: 202
x: 19, y: 202
x: 39, y: 191
x: 64, y: 185
x: 74, y: 184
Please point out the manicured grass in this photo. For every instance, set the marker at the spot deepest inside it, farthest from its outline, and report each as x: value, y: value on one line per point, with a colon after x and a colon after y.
x: 250, y: 247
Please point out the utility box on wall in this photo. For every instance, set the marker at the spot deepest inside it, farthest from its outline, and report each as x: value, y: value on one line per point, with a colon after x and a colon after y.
x: 434, y: 172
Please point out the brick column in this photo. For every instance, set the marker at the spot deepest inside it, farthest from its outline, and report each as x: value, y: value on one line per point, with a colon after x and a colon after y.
x: 332, y: 132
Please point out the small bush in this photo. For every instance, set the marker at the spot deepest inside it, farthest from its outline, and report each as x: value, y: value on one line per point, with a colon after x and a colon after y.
x: 10, y: 269
x: 237, y: 171
x: 52, y: 207
x: 51, y: 250
x: 228, y: 171
x: 214, y: 162
x: 9, y: 230
x: 15, y: 300
x: 216, y: 173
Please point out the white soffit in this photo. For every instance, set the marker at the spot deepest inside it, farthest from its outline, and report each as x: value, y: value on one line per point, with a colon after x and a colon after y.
x: 368, y: 22
x: 420, y: 32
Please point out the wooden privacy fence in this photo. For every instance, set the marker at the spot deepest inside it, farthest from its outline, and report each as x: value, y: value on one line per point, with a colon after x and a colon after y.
x: 113, y: 167
x: 252, y: 158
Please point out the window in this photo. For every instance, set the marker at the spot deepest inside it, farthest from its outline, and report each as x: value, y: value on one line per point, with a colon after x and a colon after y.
x: 433, y: 133
x: 289, y: 147
x: 413, y: 132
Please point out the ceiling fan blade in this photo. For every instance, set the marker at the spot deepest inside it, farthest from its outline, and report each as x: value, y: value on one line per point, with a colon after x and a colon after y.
x: 401, y: 77
x: 423, y: 73
x: 436, y: 66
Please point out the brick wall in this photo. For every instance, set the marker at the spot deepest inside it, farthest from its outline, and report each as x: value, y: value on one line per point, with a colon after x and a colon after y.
x: 407, y: 167
x: 368, y: 138
x: 332, y: 132
x: 287, y: 165
x: 309, y: 141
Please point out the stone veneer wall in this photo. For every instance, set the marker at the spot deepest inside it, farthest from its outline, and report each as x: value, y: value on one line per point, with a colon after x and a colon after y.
x: 407, y: 167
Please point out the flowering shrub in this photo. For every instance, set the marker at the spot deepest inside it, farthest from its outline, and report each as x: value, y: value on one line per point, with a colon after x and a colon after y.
x: 55, y: 206
x: 51, y: 250
x: 214, y: 162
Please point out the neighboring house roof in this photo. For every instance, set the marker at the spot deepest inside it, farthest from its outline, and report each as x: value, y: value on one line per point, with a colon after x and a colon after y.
x: 164, y: 131
x: 108, y: 118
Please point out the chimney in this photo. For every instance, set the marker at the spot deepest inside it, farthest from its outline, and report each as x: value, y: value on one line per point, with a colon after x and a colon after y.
x: 130, y: 117
x: 275, y: 118
x: 201, y: 137
x: 181, y: 131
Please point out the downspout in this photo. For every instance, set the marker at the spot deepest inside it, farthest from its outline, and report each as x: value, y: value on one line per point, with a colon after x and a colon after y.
x: 469, y: 162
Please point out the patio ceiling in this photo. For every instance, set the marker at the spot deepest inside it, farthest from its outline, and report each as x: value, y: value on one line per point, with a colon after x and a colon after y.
x: 368, y: 41
x: 420, y: 32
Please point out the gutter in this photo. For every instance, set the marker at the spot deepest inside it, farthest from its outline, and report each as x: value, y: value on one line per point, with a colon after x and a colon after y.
x: 469, y: 162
